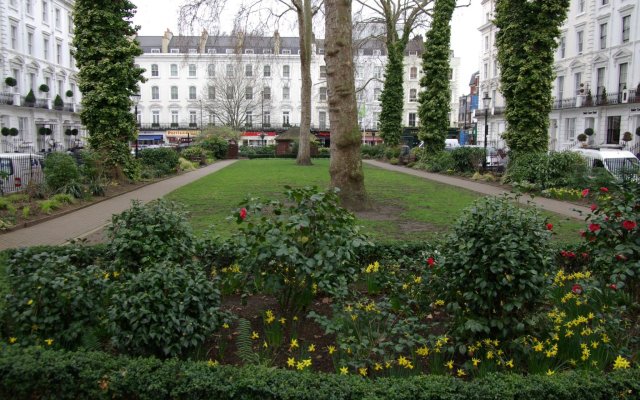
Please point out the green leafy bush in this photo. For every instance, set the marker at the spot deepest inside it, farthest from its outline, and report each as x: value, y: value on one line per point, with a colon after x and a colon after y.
x: 163, y: 160
x: 61, y: 174
x: 287, y: 248
x: 214, y: 144
x: 494, y: 269
x: 374, y: 152
x: 92, y: 172
x: 557, y: 169
x: 438, y: 162
x: 194, y: 153
x: 467, y: 159
x: 164, y: 310
x: 147, y: 234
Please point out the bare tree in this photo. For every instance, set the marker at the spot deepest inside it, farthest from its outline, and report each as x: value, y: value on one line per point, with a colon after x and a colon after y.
x: 234, y: 96
x: 346, y: 164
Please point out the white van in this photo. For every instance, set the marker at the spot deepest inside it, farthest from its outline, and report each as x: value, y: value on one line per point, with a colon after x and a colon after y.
x: 614, y: 160
x: 18, y: 169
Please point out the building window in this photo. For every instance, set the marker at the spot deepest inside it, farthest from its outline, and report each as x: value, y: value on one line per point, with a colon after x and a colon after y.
x: 622, y: 77
x: 155, y: 51
x: 322, y: 120
x: 211, y: 92
x: 577, y: 79
x: 192, y: 118
x: 211, y: 70
x: 248, y: 119
x: 192, y: 70
x: 155, y: 93
x: 560, y: 87
x: 266, y: 71
x: 45, y: 12
x: 192, y: 51
x: 626, y: 28
x: 45, y: 45
x: 230, y: 92
x: 580, y: 6
x: 174, y: 118
x: 562, y: 48
x: 155, y: 117
x: 413, y: 73
x: 323, y: 71
x: 248, y: 70
x: 486, y: 43
x: 605, y: 2
x: 570, y: 129
x: 323, y: 94
x: 174, y: 70
x: 248, y: 51
x: 266, y: 118
x: 266, y: 93
x: 376, y: 120
x: 603, y: 36
x: 377, y: 92
x: 211, y: 51
x: 580, y: 41
x: 486, y: 70
x: 30, y: 43
x: 413, y: 94
x: 412, y: 119
x: 600, y: 80
x: 154, y: 70
x: 286, y: 51
x: 14, y: 37
x: 613, y: 130
x: 413, y: 53
x: 495, y: 68
x: 174, y: 51
x: 359, y: 72
x: 229, y: 70
x: 29, y: 6
x: 59, y: 54
x: 57, y: 18
x: 267, y: 51
x: 192, y: 93
x: 285, y: 93
x: 286, y: 71
x: 70, y: 23
x: 377, y: 72
x: 248, y: 93
x: 212, y: 119
x: 285, y: 118
x: 174, y: 93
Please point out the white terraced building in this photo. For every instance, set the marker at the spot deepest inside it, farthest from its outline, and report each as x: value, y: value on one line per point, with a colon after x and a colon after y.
x: 255, y: 83
x: 597, y: 67
x: 35, y: 50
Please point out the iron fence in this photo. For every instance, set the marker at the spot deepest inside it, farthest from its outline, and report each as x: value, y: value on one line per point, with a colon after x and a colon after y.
x: 18, y: 171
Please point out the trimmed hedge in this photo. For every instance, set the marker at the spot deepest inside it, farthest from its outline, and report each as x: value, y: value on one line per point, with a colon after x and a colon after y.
x: 47, y: 374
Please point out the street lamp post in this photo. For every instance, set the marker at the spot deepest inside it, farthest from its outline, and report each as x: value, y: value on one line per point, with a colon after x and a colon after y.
x: 373, y: 135
x: 486, y: 102
x: 201, y: 126
x: 136, y: 98
x: 464, y: 123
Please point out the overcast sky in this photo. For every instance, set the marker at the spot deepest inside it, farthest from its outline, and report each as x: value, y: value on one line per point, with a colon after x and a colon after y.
x: 155, y: 16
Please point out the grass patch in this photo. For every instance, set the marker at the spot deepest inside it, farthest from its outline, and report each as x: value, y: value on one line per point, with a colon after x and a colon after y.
x: 403, y: 207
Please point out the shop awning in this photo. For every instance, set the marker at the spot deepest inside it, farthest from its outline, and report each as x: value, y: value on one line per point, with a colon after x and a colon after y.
x: 150, y: 137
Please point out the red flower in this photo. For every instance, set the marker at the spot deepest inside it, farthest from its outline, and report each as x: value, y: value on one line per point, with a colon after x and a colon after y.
x: 549, y: 227
x: 594, y: 227
x: 585, y: 255
x: 243, y: 213
x: 431, y: 262
x: 613, y: 286
x: 585, y: 193
x: 594, y: 207
x: 583, y: 233
x: 621, y: 257
x: 604, y: 189
x: 629, y: 225
x: 576, y: 289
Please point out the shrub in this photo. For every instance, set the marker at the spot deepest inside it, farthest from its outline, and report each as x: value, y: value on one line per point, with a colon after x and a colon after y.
x: 47, y: 206
x: 60, y: 173
x: 164, y: 310
x: 558, y: 169
x: 194, y: 153
x: 493, y: 269
x: 214, y: 144
x: 186, y: 165
x: 467, y: 159
x: 57, y: 102
x: 438, y: 162
x: 92, y: 172
x: 30, y: 98
x: 375, y: 152
x: 163, y: 160
x: 290, y: 247
x: 147, y: 234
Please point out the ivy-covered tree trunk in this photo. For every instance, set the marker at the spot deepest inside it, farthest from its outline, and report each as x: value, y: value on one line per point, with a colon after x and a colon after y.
x: 105, y: 55
x: 526, y: 40
x: 435, y: 99
x: 392, y: 97
x: 346, y: 164
x: 303, y: 8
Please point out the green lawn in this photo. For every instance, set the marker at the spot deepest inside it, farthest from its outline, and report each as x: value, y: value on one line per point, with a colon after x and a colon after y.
x: 403, y: 207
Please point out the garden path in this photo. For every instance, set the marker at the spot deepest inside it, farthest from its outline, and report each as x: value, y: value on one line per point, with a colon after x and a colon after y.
x: 556, y: 206
x: 86, y: 221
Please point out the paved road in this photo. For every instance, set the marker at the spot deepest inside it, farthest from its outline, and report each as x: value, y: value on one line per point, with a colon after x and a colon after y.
x: 558, y: 207
x: 88, y: 220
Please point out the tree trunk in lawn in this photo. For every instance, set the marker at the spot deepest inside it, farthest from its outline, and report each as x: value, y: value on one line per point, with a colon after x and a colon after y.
x: 346, y: 164
x: 306, y: 34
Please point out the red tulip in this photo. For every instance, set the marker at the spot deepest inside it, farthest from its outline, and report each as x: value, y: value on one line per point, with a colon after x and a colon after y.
x: 585, y: 193
x: 594, y: 227
x: 243, y: 213
x: 629, y: 225
x: 613, y: 286
x: 576, y: 289
x: 549, y: 227
x: 594, y: 207
x: 431, y: 262
x: 604, y: 189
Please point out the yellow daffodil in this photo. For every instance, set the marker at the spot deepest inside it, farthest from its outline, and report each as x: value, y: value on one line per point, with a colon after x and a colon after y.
x: 362, y: 371
x: 293, y: 344
x: 255, y: 335
x: 377, y: 367
x: 509, y: 363
x: 489, y: 355
x: 621, y: 363
x: 213, y: 363
x: 30, y: 302
x: 550, y: 372
x: 475, y: 362
x: 461, y: 372
x: 49, y: 342
x: 439, y: 302
x: 282, y: 320
x: 344, y: 370
x: 449, y: 364
x: 423, y: 351
x: 331, y: 349
x: 265, y: 344
x: 225, y: 325
x: 311, y: 348
x: 12, y: 340
x: 291, y: 362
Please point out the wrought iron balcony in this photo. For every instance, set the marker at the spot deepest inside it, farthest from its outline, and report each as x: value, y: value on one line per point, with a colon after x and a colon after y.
x: 6, y: 98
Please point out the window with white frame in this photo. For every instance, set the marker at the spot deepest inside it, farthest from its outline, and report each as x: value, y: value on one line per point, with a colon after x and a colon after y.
x: 47, y: 81
x: 211, y: 51
x: 228, y: 51
x: 377, y: 92
x: 560, y: 87
x: 580, y: 41
x: 70, y: 23
x: 323, y: 71
x: 322, y: 120
x: 266, y: 71
x: 155, y: 93
x: 154, y: 70
x: 413, y: 95
x: 174, y: 70
x: 626, y: 28
x: 248, y: 70
x: 248, y: 118
x: 376, y: 120
x: 14, y: 37
x: 211, y: 70
x: 323, y: 94
x: 174, y: 93
x: 486, y: 70
x: 192, y: 70
x: 155, y: 51
x: 603, y: 35
x: 30, y: 43
x: 577, y: 81
x: 211, y: 92
x: 570, y: 129
x: 155, y: 117
x: 285, y: 118
x: 412, y: 119
x: 28, y: 5
x: 413, y: 53
x: 286, y: 93
x: 266, y: 93
x: 248, y: 93
x: 174, y: 51
x: 192, y: 118
x: 45, y: 48
x: 212, y: 118
x: 174, y: 117
x: 266, y: 118
x: 59, y: 53
x: 248, y: 51
x: 58, y: 21
x: 229, y: 70
x: 622, y: 76
x: 377, y: 72
x: 286, y: 71
x: 192, y: 93
x: 192, y: 51
x: 486, y: 43
x: 230, y: 92
x: 45, y: 11
x: 286, y: 51
x: 413, y: 73
x: 581, y: 4
x: 267, y: 51
x: 562, y: 47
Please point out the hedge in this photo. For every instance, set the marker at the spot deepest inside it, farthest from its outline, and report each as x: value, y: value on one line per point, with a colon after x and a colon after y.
x: 34, y: 373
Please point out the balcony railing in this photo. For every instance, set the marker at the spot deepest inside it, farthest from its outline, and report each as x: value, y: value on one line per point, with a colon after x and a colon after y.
x: 597, y: 100
x: 6, y: 98
x: 42, y: 103
x: 68, y: 107
x: 164, y: 126
x: 498, y: 110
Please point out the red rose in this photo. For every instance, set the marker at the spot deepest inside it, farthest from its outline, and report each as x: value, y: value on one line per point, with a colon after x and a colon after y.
x: 629, y: 225
x: 621, y: 257
x: 243, y: 213
x: 594, y: 227
x: 594, y: 207
x: 613, y: 286
x: 585, y: 255
x: 585, y: 193
x: 576, y: 289
x: 431, y: 262
x: 583, y: 233
x: 549, y: 227
x: 604, y: 189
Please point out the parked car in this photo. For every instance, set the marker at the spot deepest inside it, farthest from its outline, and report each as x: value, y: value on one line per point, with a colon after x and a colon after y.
x: 17, y: 170
x: 614, y: 160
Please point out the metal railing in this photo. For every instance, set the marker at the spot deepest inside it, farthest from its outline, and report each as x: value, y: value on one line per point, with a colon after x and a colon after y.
x: 42, y: 103
x: 6, y: 98
x: 19, y: 171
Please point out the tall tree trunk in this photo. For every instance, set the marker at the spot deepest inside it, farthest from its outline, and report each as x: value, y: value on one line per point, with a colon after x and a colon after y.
x: 306, y: 34
x: 346, y: 164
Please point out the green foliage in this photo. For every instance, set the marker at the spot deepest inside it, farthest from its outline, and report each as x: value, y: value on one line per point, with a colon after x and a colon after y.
x: 546, y: 170
x: 147, y: 234
x: 243, y: 343
x: 435, y: 99
x: 392, y: 96
x: 437, y: 162
x: 92, y: 172
x: 286, y: 248
x: 527, y: 36
x: 61, y: 172
x: 10, y: 81
x: 30, y: 98
x: 467, y: 159
x: 214, y: 144
x: 54, y: 293
x: 186, y: 165
x: 194, y: 153
x: 105, y: 56
x: 49, y: 205
x: 162, y: 160
x: 57, y: 102
x: 493, y: 269
x: 164, y: 310
x: 37, y: 373
x: 375, y: 152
